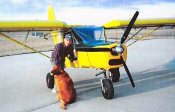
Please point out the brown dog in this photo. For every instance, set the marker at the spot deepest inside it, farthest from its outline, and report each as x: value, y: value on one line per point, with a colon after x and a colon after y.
x: 65, y: 87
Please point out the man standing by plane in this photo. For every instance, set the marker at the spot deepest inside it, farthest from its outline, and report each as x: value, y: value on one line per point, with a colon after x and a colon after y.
x: 62, y: 50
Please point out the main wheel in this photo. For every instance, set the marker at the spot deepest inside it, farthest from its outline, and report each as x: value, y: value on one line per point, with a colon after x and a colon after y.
x: 107, y: 89
x: 50, y: 81
x: 115, y: 74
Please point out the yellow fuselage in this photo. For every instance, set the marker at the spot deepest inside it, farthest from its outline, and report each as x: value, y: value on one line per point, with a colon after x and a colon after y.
x: 97, y: 58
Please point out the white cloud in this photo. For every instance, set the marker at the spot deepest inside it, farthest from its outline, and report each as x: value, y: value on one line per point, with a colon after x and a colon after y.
x: 86, y: 15
x: 91, y: 16
x: 98, y: 16
x: 22, y: 17
x: 160, y: 10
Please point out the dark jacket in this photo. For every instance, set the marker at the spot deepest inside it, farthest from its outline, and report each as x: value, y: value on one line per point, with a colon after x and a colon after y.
x: 60, y: 52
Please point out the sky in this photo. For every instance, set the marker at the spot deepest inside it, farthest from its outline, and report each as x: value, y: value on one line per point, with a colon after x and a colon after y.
x: 86, y: 12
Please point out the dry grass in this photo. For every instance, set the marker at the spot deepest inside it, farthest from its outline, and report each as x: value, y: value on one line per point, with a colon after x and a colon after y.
x: 8, y: 47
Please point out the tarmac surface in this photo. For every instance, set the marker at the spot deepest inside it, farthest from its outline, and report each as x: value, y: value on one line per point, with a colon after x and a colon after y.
x: 151, y: 63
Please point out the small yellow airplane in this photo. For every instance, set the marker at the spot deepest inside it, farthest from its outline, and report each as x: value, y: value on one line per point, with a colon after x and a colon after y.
x: 91, y: 46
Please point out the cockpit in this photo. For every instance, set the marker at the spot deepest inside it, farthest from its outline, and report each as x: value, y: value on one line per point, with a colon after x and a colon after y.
x: 90, y: 36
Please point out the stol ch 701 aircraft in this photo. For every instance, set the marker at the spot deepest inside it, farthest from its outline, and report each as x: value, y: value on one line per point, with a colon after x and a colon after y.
x: 91, y: 46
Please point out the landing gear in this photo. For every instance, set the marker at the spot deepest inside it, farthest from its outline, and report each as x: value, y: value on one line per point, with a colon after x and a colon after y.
x: 107, y: 88
x: 50, y: 81
x: 114, y: 74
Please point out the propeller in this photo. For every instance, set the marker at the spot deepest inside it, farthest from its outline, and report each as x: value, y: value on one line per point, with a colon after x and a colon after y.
x: 119, y: 49
x: 127, y: 71
x: 128, y: 29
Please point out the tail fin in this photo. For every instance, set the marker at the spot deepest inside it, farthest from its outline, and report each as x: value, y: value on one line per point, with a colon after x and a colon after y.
x: 51, y: 15
x: 57, y: 38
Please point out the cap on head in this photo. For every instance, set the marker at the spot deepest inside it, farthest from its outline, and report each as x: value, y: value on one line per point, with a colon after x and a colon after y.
x: 68, y: 37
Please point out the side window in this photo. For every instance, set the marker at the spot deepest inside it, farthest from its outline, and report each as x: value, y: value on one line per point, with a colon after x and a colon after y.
x: 74, y: 40
x: 79, y: 40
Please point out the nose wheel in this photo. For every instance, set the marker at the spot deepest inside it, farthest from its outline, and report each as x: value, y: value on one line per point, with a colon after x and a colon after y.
x: 107, y: 88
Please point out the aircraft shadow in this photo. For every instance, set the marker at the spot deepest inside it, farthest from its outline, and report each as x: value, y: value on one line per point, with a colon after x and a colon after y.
x: 156, y: 78
x: 149, y: 80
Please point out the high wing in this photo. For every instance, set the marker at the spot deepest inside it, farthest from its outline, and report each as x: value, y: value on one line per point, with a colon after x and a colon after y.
x: 18, y: 26
x: 141, y: 23
x: 54, y: 27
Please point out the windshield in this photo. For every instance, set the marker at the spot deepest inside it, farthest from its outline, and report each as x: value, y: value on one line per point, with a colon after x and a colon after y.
x: 91, y: 35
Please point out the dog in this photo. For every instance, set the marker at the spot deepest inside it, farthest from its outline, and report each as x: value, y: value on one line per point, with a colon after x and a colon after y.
x: 65, y: 87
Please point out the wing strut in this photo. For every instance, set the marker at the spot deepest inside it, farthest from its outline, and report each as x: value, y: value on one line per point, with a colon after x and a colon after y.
x: 144, y: 36
x: 7, y: 37
x: 133, y: 35
x: 25, y: 39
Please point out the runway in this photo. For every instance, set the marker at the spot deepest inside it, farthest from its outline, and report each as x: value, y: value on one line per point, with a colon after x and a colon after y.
x: 151, y: 63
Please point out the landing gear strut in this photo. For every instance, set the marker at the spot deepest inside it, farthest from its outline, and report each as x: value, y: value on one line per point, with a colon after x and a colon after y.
x: 114, y: 74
